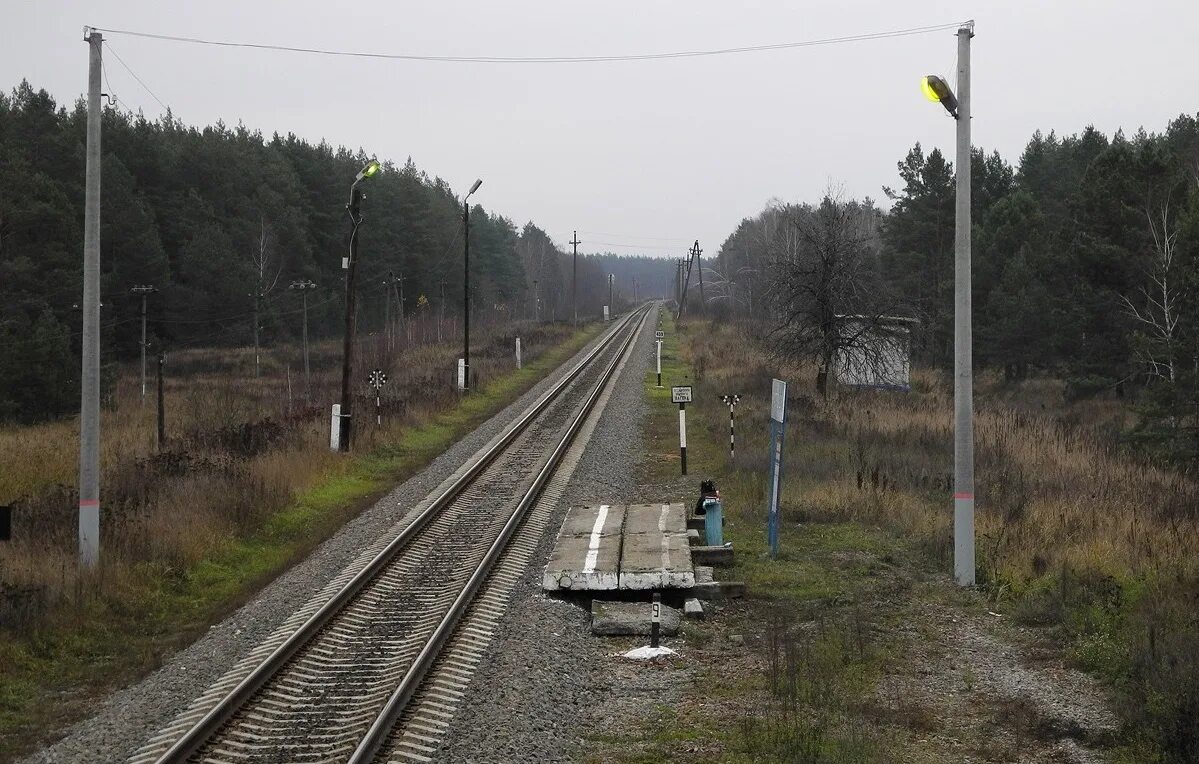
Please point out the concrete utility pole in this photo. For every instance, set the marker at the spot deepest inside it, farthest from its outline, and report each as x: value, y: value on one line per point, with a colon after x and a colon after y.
x: 611, y: 309
x: 387, y: 309
x: 963, y: 393
x: 403, y: 322
x: 162, y: 416
x: 441, y: 309
x: 696, y: 251
x: 389, y: 285
x: 466, y: 286
x: 144, y: 290
x: 347, y: 349
x: 303, y: 287
x: 89, y: 409
x: 574, y: 277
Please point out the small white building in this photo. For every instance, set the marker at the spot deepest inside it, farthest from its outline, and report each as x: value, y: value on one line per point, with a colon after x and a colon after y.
x: 877, y: 353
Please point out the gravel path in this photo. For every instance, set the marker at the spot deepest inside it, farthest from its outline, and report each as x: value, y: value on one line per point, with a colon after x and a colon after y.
x: 547, y: 684
x: 127, y: 717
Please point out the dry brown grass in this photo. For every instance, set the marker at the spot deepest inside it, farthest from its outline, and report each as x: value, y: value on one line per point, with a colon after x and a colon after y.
x: 1075, y: 530
x: 238, y: 449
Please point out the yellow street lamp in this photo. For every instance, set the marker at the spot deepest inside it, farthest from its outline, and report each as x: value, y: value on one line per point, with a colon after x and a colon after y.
x: 937, y: 90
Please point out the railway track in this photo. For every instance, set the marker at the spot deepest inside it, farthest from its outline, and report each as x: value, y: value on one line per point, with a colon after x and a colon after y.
x: 373, y: 672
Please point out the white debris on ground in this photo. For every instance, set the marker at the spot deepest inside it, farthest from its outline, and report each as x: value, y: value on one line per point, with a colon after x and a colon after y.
x: 646, y: 653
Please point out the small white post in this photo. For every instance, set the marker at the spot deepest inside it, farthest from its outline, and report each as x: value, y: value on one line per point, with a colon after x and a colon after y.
x: 659, y: 343
x: 335, y: 429
x: 605, y: 313
x: 461, y: 375
x: 518, y: 352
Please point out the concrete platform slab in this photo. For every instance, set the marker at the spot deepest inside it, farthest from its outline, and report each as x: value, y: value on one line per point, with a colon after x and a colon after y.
x: 717, y: 556
x: 656, y: 553
x: 586, y: 556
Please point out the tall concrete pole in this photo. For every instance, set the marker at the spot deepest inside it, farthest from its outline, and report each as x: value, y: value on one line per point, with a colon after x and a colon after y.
x: 963, y: 377
x: 144, y: 291
x: 302, y: 287
x: 387, y: 282
x: 143, y: 345
x: 466, y: 295
x: 89, y: 409
x: 574, y: 278
x: 347, y: 349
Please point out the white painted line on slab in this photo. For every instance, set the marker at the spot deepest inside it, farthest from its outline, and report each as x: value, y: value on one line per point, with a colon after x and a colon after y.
x: 593, y: 544
x: 665, y: 542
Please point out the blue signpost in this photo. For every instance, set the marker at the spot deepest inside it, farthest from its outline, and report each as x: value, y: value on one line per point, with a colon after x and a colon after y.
x: 778, y: 427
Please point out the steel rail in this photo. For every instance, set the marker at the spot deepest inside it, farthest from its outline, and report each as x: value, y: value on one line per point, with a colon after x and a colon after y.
x: 376, y: 737
x: 208, y: 725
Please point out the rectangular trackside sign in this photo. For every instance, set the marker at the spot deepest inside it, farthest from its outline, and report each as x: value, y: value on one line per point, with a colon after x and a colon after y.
x: 659, y: 334
x: 680, y: 394
x: 778, y: 400
x: 778, y: 429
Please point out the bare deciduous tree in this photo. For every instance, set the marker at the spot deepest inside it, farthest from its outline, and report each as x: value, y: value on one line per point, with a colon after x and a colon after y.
x: 1159, y: 310
x: 268, y: 267
x: 829, y: 302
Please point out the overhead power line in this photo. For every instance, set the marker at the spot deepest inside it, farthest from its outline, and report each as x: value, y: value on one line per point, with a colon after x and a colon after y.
x: 631, y: 237
x: 134, y: 75
x: 545, y: 59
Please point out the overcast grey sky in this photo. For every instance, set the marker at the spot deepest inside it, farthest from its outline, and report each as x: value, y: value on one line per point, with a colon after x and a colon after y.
x: 650, y: 153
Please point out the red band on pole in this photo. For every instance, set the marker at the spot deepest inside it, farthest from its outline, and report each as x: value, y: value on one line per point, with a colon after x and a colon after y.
x: 89, y: 502
x: 963, y: 496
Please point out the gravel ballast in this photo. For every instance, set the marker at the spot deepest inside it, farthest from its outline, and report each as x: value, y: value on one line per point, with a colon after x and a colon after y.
x: 547, y: 684
x: 129, y: 716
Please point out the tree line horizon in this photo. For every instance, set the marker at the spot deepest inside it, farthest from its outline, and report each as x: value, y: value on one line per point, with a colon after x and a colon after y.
x: 1084, y: 255
x: 1085, y: 268
x: 221, y: 221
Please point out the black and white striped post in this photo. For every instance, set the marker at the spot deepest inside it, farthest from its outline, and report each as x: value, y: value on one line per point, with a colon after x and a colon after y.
x: 658, y: 335
x: 731, y: 401
x: 682, y: 396
x: 655, y: 620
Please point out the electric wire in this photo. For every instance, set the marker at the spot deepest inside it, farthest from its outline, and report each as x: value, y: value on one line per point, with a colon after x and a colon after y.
x: 631, y: 237
x: 134, y: 75
x: 542, y: 59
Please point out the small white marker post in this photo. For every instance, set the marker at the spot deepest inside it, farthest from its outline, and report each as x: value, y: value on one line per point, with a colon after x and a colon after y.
x: 335, y: 429
x: 518, y: 352
x: 461, y: 375
x: 658, y: 335
x: 682, y: 396
x: 655, y: 620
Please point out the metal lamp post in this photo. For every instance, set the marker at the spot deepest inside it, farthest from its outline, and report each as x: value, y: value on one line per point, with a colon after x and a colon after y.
x: 937, y: 90
x: 350, y: 263
x: 466, y: 286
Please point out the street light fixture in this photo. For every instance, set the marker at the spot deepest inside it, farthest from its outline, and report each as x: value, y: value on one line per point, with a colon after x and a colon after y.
x: 936, y: 90
x: 372, y: 168
x: 350, y: 264
x: 466, y: 285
